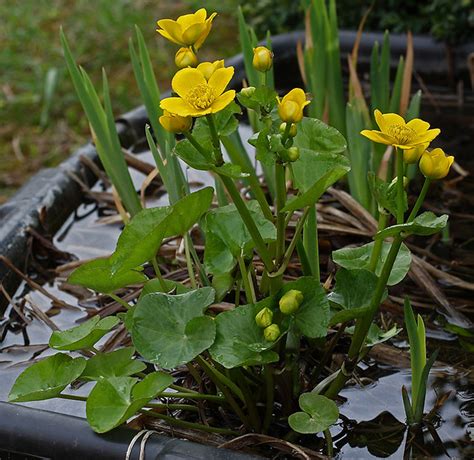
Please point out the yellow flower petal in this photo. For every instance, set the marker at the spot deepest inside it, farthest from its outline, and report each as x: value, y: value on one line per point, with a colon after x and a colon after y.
x: 168, y: 36
x: 390, y: 119
x: 185, y: 80
x: 176, y: 105
x: 192, y: 33
x: 428, y: 136
x: 220, y: 79
x: 377, y: 136
x: 223, y: 101
x: 418, y: 125
x: 173, y: 29
x: 296, y: 95
x: 187, y: 20
x: 205, y: 32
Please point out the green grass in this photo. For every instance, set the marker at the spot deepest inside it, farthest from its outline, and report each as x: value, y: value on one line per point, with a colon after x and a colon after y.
x: 41, y: 121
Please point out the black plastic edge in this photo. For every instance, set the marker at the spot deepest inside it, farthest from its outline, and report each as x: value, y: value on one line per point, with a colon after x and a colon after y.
x: 28, y: 431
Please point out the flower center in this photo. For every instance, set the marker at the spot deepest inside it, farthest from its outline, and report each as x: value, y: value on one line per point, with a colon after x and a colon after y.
x: 201, y: 96
x: 403, y: 134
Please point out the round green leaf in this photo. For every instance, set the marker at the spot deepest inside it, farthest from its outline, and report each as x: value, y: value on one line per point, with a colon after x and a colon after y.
x: 83, y: 336
x: 319, y: 414
x: 47, y: 378
x: 118, y: 363
x: 359, y: 258
x: 425, y: 224
x: 239, y: 340
x: 114, y: 400
x: 170, y: 330
x: 98, y: 275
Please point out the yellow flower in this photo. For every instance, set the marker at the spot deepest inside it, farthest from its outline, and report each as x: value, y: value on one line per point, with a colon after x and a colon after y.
x: 175, y: 123
x: 412, y: 156
x: 264, y: 317
x: 271, y: 333
x: 185, y: 57
x: 290, y: 302
x: 395, y: 131
x: 262, y: 58
x: 435, y: 164
x: 208, y: 68
x: 197, y: 96
x: 290, y: 108
x: 187, y: 30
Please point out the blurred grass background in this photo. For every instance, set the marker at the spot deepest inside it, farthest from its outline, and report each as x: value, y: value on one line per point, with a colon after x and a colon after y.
x: 41, y: 121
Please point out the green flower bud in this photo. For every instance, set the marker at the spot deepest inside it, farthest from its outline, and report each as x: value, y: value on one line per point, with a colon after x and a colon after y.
x: 264, y: 317
x: 248, y: 92
x: 293, y: 129
x: 293, y: 153
x: 262, y: 58
x: 271, y: 333
x: 291, y: 301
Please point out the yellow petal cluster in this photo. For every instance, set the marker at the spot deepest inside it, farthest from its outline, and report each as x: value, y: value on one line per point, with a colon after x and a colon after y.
x: 175, y: 123
x: 435, y: 164
x: 262, y: 58
x: 188, y: 30
x: 198, y: 96
x: 185, y: 57
x: 290, y: 107
x: 412, y: 156
x: 395, y: 131
x: 208, y: 68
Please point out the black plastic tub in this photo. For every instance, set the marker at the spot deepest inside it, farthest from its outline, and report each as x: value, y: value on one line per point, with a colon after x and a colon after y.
x: 47, y: 200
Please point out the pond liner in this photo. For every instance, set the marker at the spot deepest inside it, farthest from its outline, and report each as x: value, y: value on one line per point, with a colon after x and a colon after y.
x: 41, y: 433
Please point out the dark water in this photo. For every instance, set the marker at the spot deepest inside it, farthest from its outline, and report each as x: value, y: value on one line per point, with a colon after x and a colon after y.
x: 372, y: 416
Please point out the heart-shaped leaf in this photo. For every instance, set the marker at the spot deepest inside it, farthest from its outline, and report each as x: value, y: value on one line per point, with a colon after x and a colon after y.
x: 155, y: 285
x: 239, y: 340
x: 83, y: 336
x: 170, y: 330
x: 359, y: 258
x: 425, y: 224
x: 47, y: 378
x: 118, y: 363
x: 98, y: 275
x: 114, y: 400
x: 319, y: 414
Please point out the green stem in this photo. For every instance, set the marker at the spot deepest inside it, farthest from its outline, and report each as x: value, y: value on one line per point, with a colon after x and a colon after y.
x: 72, y: 397
x: 310, y: 241
x: 375, y: 256
x: 120, y: 301
x: 328, y: 438
x: 270, y: 394
x: 194, y: 426
x: 215, y: 140
x: 400, y: 187
x: 173, y: 406
x: 189, y: 262
x: 248, y: 221
x: 195, y: 144
x: 286, y: 133
x: 158, y: 274
x: 419, y: 200
x: 197, y: 262
x: 180, y: 388
x: 248, y: 285
x: 280, y: 182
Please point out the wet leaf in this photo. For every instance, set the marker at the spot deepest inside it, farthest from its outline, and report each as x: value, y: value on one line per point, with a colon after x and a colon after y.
x: 47, y: 378
x: 98, y: 276
x: 425, y: 224
x: 359, y: 258
x: 83, y: 336
x: 170, y: 330
x: 319, y: 414
x: 118, y: 363
x: 114, y: 400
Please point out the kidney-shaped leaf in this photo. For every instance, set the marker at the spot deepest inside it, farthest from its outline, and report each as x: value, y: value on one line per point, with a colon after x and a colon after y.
x: 83, y: 336
x: 46, y: 378
x: 359, y: 258
x: 118, y: 363
x: 170, y: 330
x: 319, y: 414
x: 425, y: 224
x: 98, y: 275
x: 239, y: 340
x: 112, y: 401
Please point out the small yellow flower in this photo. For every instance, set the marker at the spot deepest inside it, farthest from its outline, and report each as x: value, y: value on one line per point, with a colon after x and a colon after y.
x: 264, y: 317
x: 271, y: 333
x: 175, y: 123
x: 187, y: 30
x: 262, y: 58
x: 290, y: 302
x: 435, y: 164
x: 395, y: 131
x: 208, y: 68
x: 185, y: 57
x: 197, y: 96
x: 412, y: 156
x: 290, y: 107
